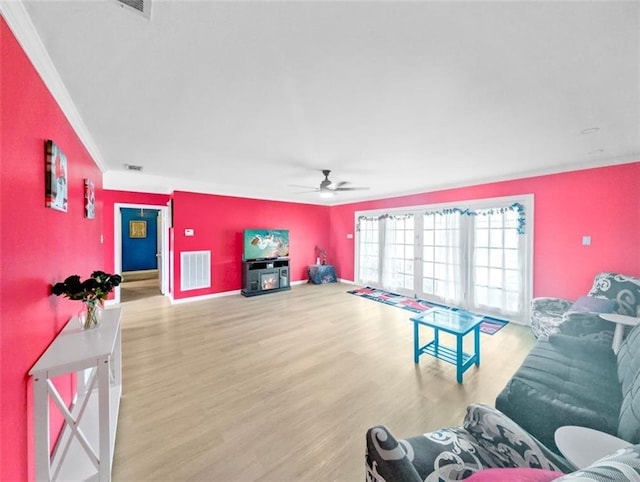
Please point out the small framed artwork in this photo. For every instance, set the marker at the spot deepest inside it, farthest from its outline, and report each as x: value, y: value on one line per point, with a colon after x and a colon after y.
x: 89, y: 199
x: 56, y: 189
x: 137, y: 229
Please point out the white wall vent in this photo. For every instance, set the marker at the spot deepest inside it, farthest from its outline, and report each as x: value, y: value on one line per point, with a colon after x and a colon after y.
x: 195, y: 270
x: 142, y: 7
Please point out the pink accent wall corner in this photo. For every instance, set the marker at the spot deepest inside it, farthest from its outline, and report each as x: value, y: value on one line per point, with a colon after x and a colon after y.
x: 218, y: 223
x: 603, y: 203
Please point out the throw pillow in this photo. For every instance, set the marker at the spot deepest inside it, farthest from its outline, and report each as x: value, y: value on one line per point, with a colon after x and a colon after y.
x: 622, y: 288
x: 514, y: 475
x: 591, y: 304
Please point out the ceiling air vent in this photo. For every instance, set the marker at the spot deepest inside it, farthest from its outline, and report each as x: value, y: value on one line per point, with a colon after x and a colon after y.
x: 142, y: 7
x: 133, y: 167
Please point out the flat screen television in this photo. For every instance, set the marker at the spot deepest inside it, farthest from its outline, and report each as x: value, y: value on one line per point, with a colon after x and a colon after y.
x: 265, y: 244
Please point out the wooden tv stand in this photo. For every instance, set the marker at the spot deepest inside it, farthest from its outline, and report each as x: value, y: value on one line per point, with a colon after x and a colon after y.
x: 265, y: 276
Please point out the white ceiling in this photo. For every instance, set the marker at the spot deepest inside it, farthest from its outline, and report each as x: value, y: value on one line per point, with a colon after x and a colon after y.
x: 248, y: 98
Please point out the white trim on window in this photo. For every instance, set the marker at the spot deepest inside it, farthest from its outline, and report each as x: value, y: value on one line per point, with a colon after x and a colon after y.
x: 467, y: 246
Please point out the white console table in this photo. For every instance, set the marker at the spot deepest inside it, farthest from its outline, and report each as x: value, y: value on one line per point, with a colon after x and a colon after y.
x: 84, y: 450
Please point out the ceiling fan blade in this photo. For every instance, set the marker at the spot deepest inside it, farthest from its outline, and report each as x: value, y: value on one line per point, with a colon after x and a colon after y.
x: 351, y: 189
x: 327, y: 188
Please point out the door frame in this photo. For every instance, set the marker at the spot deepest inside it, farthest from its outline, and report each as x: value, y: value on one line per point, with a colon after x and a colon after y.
x: 117, y: 243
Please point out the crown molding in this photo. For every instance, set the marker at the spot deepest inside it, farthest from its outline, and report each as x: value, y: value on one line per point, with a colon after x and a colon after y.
x: 25, y: 32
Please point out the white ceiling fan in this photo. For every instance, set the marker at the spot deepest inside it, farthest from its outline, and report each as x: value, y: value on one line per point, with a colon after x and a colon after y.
x: 327, y: 187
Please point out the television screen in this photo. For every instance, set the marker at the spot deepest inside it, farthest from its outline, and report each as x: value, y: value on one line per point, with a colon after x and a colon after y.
x: 265, y: 244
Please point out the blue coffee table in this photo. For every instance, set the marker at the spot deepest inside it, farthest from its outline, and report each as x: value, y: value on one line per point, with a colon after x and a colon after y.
x: 458, y: 323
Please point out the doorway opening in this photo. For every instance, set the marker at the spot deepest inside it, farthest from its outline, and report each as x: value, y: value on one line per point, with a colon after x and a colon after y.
x: 141, y: 251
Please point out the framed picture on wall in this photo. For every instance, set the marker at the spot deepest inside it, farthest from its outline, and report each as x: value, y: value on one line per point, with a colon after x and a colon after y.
x: 137, y: 229
x: 89, y: 199
x: 56, y: 190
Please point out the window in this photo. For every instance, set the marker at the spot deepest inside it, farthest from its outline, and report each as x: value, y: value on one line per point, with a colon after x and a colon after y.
x: 476, y: 255
x: 441, y: 268
x: 497, y: 263
x: 399, y: 253
x: 368, y: 251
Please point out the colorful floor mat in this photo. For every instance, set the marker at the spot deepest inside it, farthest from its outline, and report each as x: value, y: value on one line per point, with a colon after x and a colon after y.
x: 489, y: 324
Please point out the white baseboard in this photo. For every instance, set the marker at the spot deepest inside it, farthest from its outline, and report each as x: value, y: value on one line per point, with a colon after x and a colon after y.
x: 346, y: 281
x: 203, y: 297
x: 221, y: 294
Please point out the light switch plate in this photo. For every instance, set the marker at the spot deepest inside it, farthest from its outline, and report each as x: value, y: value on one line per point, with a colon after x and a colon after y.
x: 188, y: 232
x: 586, y: 240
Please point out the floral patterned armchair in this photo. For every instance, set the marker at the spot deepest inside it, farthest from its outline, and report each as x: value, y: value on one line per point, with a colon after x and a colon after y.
x: 556, y: 315
x: 487, y: 439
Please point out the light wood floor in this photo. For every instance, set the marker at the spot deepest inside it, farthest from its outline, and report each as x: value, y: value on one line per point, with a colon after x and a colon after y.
x: 139, y: 289
x: 283, y: 387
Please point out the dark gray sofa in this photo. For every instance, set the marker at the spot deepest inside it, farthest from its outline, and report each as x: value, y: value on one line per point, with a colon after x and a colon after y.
x: 487, y: 439
x: 570, y: 380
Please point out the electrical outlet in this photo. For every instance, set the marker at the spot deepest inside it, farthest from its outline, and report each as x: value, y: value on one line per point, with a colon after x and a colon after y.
x: 586, y: 240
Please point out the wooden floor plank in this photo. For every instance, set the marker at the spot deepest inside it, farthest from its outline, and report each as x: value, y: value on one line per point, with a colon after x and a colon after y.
x: 283, y: 386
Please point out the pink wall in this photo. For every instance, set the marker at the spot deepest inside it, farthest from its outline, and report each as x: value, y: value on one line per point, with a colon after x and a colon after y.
x: 123, y: 197
x: 39, y: 245
x: 603, y: 203
x: 218, y: 222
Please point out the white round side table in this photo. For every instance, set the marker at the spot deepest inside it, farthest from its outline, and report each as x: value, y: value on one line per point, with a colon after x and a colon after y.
x: 621, y: 321
x: 582, y: 446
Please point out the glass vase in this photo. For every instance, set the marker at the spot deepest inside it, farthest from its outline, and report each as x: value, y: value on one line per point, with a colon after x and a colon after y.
x: 90, y: 314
